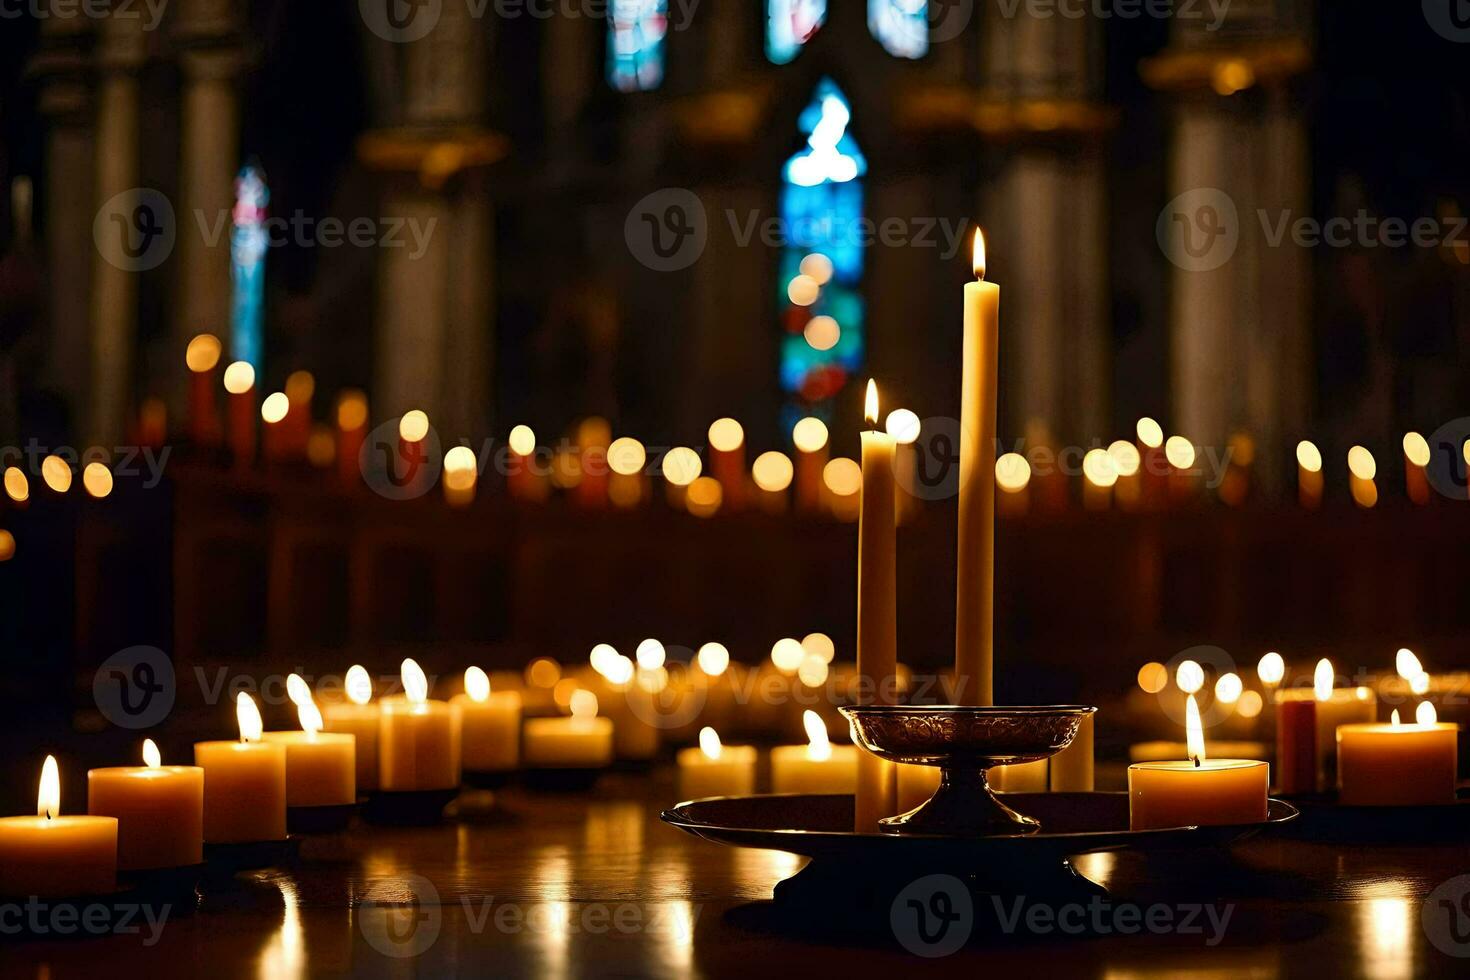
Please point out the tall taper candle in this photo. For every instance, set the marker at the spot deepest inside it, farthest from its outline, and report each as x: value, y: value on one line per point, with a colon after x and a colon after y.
x: 877, y: 610
x: 975, y: 601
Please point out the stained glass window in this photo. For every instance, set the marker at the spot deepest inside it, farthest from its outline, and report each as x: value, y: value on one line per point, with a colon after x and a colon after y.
x: 901, y: 26
x: 635, y: 44
x: 821, y: 265
x: 248, y: 245
x: 789, y: 25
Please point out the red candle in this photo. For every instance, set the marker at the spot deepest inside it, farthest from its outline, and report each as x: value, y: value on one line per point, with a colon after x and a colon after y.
x: 1155, y: 467
x: 274, y: 441
x: 352, y: 420
x: 809, y: 436
x: 1296, y: 746
x: 300, y: 387
x: 520, y: 478
x: 727, y: 460
x: 202, y: 358
x: 240, y: 383
x: 413, y: 429
x: 594, y: 436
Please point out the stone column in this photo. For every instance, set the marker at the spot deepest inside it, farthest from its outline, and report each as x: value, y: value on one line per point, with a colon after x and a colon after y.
x: 206, y: 30
x: 66, y: 102
x: 114, y: 307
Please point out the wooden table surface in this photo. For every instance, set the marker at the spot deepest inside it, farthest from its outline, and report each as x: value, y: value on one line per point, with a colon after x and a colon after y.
x: 595, y: 885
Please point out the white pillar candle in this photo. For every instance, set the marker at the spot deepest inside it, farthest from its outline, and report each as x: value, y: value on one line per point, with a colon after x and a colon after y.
x: 490, y: 725
x: 714, y: 769
x: 818, y: 766
x: 418, y: 739
x: 1398, y: 765
x: 877, y: 626
x: 321, y: 767
x: 159, y: 811
x: 49, y: 855
x: 360, y: 719
x: 244, y: 783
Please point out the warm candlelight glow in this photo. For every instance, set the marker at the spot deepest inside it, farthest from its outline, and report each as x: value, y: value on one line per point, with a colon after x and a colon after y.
x: 822, y: 332
x: 202, y: 354
x: 583, y: 704
x: 56, y: 473
x: 1393, y: 719
x: 977, y: 254
x: 522, y: 440
x: 682, y: 466
x: 1153, y: 677
x: 620, y: 670
x: 626, y: 456
x: 819, y: 645
x: 7, y: 545
x: 787, y: 654
x: 813, y: 671
x: 275, y: 407
x: 1194, y: 731
x: 1407, y: 664
x: 713, y: 659
x: 709, y: 743
x: 152, y: 758
x: 818, y: 745
x: 17, y: 487
x: 1425, y: 714
x: 543, y: 672
x: 48, y: 797
x: 1361, y: 463
x: 1309, y: 457
x: 809, y: 435
x: 650, y: 654
x: 309, y: 716
x: 726, y: 435
x: 870, y: 403
x: 97, y: 480
x: 1179, y: 451
x: 903, y: 425
x: 352, y: 410
x: 1419, y: 684
x: 358, y: 684
x: 239, y: 377
x: 803, y: 290
x: 414, y: 426
x: 818, y: 266
x: 602, y: 658
x: 477, y: 684
x: 772, y: 471
x: 297, y: 690
x: 415, y: 684
x: 843, y: 476
x: 1150, y: 433
x: 1190, y: 677
x: 1271, y: 669
x: 248, y: 717
x: 1249, y: 705
x: 705, y: 496
x: 1126, y: 458
x: 1416, y: 449
x: 1099, y: 468
x: 1229, y: 688
x: 1322, y: 680
x: 1012, y: 472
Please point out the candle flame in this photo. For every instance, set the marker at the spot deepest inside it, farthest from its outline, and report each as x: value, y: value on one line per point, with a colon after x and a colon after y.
x: 310, y: 716
x: 1271, y: 669
x: 1322, y: 680
x: 415, y: 684
x: 977, y: 260
x: 709, y: 743
x: 818, y: 746
x: 1425, y: 713
x: 1194, y: 732
x: 151, y: 756
x: 1393, y: 719
x: 1190, y: 677
x: 248, y: 715
x: 870, y: 403
x: 239, y: 377
x: 583, y: 704
x: 48, y: 799
x: 477, y: 685
x: 1419, y: 684
x: 713, y: 659
x: 1407, y: 664
x: 358, y: 684
x: 297, y: 690
x: 651, y: 654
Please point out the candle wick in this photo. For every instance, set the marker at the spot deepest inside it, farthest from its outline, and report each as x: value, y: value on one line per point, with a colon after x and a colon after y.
x: 1196, y: 762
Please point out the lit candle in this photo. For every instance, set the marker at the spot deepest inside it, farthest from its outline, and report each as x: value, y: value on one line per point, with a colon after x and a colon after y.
x: 1183, y: 478
x: 1127, y: 461
x: 413, y: 430
x: 1331, y: 707
x: 244, y: 783
x: 1099, y: 475
x: 627, y: 485
x: 594, y: 436
x: 727, y: 460
x: 352, y: 421
x: 1197, y: 792
x: 877, y: 614
x: 818, y: 766
x: 520, y: 477
x: 360, y: 719
x: 975, y: 603
x: 202, y: 357
x: 461, y: 473
x: 321, y: 767
x: 713, y: 769
x: 300, y: 389
x: 1012, y: 479
x: 50, y: 855
x: 418, y: 739
x: 490, y: 724
x: 240, y: 385
x: 1416, y: 463
x: 772, y: 473
x: 583, y: 741
x: 1308, y: 475
x: 274, y: 441
x: 681, y: 467
x: 809, y: 437
x: 159, y: 811
x: 1396, y: 764
x: 1362, y: 468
